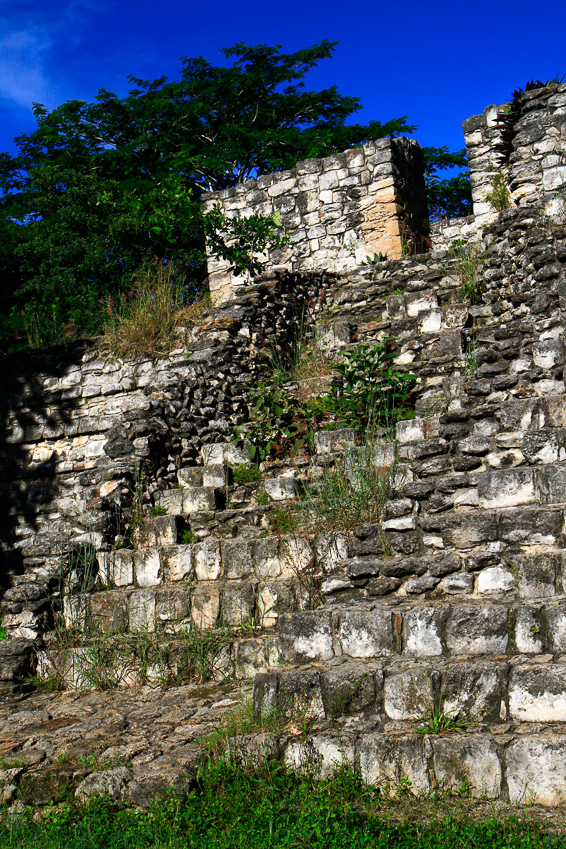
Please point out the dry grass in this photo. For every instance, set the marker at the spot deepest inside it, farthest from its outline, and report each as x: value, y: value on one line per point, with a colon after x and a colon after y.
x: 147, y: 321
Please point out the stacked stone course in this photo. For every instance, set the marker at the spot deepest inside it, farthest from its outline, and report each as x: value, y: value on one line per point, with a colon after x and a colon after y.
x: 454, y: 602
x: 337, y: 211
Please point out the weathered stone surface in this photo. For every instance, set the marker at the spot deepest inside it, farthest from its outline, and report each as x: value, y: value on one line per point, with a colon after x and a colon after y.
x: 306, y: 636
x: 365, y: 633
x: 536, y: 770
x: 394, y: 762
x: 477, y: 629
x: 468, y: 760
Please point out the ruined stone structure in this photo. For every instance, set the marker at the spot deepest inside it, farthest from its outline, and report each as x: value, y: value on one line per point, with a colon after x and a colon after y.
x: 337, y: 210
x: 455, y: 601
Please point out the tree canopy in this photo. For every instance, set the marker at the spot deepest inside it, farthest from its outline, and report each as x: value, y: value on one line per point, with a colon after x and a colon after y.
x: 99, y: 188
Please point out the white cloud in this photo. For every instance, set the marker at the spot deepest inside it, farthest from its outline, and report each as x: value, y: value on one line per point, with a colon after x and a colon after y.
x: 26, y: 53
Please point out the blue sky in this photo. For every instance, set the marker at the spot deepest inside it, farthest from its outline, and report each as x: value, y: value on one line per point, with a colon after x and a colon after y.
x: 436, y: 62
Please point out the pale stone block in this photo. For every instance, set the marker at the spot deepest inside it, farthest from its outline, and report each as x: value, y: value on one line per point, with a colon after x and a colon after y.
x: 147, y: 567
x: 306, y: 637
x: 536, y: 770
x: 495, y: 579
x: 141, y: 609
x: 421, y: 633
x: 506, y: 488
x: 429, y: 321
x: 116, y: 568
x: 395, y: 762
x: 538, y: 695
x: 207, y: 561
x: 472, y: 759
x: 205, y: 606
x: 477, y: 629
x: 407, y: 695
x: 366, y: 633
x: 281, y: 489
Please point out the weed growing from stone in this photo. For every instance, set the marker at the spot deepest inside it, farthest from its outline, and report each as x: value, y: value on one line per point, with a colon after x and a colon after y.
x: 353, y: 492
x: 157, y: 510
x: 467, y: 267
x: 499, y: 197
x: 246, y: 474
x: 147, y: 320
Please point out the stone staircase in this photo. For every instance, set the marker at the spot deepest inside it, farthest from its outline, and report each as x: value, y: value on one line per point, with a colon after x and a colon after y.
x: 447, y: 615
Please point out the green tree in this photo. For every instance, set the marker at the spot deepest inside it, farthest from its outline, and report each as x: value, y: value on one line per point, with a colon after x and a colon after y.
x: 451, y: 196
x: 99, y: 188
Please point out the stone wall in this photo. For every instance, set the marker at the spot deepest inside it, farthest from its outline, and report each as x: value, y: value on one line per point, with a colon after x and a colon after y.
x: 337, y: 210
x: 537, y: 167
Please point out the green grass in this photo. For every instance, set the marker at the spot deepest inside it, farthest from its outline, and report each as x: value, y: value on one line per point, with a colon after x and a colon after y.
x: 231, y: 808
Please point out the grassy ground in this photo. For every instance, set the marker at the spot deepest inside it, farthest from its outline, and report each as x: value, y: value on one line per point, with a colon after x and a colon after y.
x: 271, y: 808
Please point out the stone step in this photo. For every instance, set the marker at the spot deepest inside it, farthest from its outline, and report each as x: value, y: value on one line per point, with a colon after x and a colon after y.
x: 497, y: 763
x: 432, y: 628
x: 393, y: 693
x: 96, y: 665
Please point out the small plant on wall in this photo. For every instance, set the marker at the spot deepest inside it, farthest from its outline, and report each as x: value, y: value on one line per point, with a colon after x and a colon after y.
x: 499, y: 197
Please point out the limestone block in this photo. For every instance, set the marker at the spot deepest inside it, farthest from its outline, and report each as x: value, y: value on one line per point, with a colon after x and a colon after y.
x: 300, y: 695
x: 172, y: 604
x: 236, y: 558
x: 334, y: 441
x: 177, y: 562
x: 214, y: 475
x: 429, y: 321
x: 551, y: 484
x: 205, y: 606
x: 506, y: 488
x: 306, y: 636
x: 469, y: 759
x: 366, y: 633
x: 469, y: 530
x: 323, y: 752
x: 495, y: 579
x: 350, y: 689
x: 116, y: 568
x: 536, y: 526
x: 521, y: 414
x: 537, y: 574
x: 460, y: 583
x: 415, y: 430
x: 158, y: 531
x: 407, y: 695
x: 268, y: 560
x: 273, y: 598
x: 206, y: 557
x: 108, y: 612
x: 238, y: 602
x: 111, y: 783
x: 141, y: 607
x: 528, y: 629
x: 394, y: 762
x: 474, y: 691
x: 544, y: 446
x: 281, y: 489
x: 331, y: 552
x: 421, y: 632
x: 548, y: 353
x: 147, y: 567
x: 477, y: 629
x: 538, y: 694
x: 536, y: 770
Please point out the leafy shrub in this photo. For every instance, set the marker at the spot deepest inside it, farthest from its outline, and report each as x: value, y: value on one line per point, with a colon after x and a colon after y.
x: 372, y: 389
x: 246, y: 474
